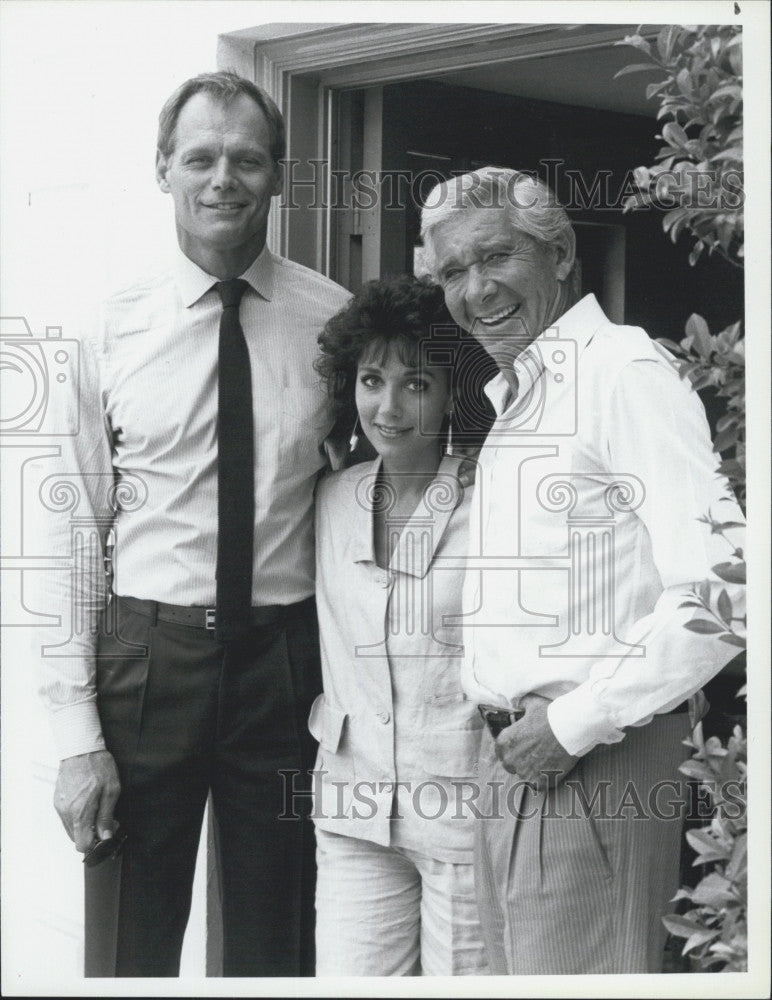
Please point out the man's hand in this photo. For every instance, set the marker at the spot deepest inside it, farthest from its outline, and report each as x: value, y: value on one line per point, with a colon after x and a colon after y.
x: 467, y: 470
x: 87, y: 789
x: 529, y: 748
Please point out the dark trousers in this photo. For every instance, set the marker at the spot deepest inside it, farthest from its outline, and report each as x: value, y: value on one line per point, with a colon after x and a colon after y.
x: 184, y: 716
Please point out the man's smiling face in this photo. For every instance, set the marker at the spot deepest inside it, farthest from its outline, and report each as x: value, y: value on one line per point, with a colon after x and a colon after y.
x: 501, y: 284
x: 221, y: 176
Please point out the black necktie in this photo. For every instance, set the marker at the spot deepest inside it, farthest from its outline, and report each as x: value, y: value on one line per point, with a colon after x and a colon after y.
x: 235, y: 470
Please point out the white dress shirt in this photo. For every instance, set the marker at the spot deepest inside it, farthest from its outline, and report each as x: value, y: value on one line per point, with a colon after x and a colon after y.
x: 144, y: 460
x: 574, y: 583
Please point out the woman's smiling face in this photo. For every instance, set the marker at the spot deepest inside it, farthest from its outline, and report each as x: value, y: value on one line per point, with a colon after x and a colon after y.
x: 401, y: 406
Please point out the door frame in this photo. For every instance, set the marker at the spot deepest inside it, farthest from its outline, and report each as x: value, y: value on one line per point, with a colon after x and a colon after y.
x: 304, y: 67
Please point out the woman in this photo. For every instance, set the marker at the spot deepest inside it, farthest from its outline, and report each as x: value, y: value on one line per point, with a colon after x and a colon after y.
x: 398, y: 741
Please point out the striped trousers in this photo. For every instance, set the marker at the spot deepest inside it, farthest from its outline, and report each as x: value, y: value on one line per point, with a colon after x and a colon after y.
x: 576, y: 879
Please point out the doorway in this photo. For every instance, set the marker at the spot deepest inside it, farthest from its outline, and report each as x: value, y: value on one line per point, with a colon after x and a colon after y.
x: 397, y: 141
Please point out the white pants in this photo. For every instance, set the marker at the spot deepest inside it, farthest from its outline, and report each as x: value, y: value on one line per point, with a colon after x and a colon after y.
x: 383, y: 911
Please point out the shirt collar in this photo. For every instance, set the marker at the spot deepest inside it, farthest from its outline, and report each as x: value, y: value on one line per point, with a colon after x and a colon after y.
x: 578, y: 324
x: 193, y: 281
x: 408, y: 557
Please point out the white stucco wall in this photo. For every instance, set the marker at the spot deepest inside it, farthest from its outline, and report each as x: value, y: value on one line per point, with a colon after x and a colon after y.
x: 81, y: 87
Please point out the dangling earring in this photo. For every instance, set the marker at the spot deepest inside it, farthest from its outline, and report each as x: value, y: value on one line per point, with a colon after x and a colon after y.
x: 449, y: 440
x: 354, y: 439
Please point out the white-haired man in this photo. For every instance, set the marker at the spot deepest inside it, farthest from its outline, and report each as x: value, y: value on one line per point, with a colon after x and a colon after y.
x: 592, y: 482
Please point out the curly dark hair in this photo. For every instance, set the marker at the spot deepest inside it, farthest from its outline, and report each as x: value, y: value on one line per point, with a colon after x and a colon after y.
x: 400, y: 311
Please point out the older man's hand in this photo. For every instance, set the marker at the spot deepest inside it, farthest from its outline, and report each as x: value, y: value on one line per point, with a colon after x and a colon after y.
x: 87, y: 789
x: 529, y: 747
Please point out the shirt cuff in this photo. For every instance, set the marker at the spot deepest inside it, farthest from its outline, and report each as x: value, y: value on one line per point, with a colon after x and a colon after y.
x: 579, y: 723
x: 77, y: 729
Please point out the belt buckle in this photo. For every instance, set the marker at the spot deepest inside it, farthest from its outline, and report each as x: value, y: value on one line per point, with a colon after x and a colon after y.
x: 209, y: 618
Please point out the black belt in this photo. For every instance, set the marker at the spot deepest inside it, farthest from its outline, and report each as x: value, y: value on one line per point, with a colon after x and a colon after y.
x: 197, y: 617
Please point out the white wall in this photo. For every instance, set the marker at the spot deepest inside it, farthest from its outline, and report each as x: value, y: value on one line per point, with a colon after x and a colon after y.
x: 81, y: 87
x: 82, y: 84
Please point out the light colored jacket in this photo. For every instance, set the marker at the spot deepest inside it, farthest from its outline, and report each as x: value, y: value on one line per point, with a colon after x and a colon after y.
x: 374, y: 622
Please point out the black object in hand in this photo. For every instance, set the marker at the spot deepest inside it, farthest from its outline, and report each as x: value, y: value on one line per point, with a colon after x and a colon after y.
x: 101, y: 850
x: 497, y: 719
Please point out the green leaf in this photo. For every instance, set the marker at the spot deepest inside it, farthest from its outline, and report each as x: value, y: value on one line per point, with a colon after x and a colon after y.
x: 714, y: 890
x: 725, y: 439
x: 637, y: 42
x: 732, y: 467
x: 680, y: 926
x: 704, y: 591
x: 697, y: 328
x: 703, y: 627
x: 733, y: 640
x: 731, y: 572
x: 728, y: 90
x: 642, y: 177
x: 728, y: 420
x: 675, y: 232
x: 697, y: 770
x: 733, y: 153
x: 737, y: 863
x: 674, y: 134
x: 652, y: 89
x: 634, y: 68
x: 676, y: 215
x: 670, y: 345
x: 699, y: 938
x: 714, y: 747
x: 724, y: 606
x: 663, y: 43
x: 684, y: 81
x: 707, y: 848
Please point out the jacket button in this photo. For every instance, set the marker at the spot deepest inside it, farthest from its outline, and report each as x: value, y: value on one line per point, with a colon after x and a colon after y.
x: 384, y: 717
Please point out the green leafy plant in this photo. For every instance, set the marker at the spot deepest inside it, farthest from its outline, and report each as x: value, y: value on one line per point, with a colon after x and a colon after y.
x: 698, y: 175
x: 718, y: 362
x: 715, y: 926
x: 698, y: 178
